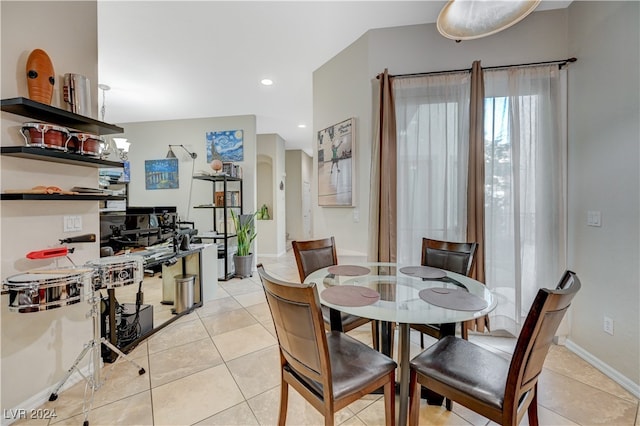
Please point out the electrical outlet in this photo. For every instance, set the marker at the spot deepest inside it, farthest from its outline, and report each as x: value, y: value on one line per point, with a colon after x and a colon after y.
x: 608, y: 325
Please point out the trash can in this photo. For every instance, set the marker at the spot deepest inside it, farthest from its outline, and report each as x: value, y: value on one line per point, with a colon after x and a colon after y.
x: 184, y: 292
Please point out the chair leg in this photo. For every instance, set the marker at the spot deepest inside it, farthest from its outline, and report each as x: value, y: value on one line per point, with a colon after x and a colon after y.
x: 284, y: 400
x: 328, y: 419
x: 533, y: 408
x: 374, y: 334
x: 464, y: 331
x: 421, y: 340
x: 392, y: 339
x: 448, y: 404
x: 414, y: 399
x: 390, y: 400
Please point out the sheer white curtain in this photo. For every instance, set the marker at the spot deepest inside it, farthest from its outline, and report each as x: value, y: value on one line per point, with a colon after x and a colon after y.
x: 432, y: 120
x: 525, y: 195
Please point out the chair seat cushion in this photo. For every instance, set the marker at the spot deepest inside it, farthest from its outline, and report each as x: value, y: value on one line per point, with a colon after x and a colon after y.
x: 466, y: 367
x: 353, y: 365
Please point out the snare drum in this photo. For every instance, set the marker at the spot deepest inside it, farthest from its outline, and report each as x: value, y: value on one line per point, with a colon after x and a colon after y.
x: 117, y: 271
x: 38, y: 291
x: 87, y: 144
x: 45, y: 135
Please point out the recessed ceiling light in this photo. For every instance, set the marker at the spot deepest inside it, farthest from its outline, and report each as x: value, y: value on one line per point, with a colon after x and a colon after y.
x: 302, y: 126
x: 266, y: 82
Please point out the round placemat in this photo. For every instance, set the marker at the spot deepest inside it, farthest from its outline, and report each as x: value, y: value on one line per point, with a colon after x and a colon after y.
x: 350, y: 295
x: 451, y: 298
x: 423, y: 272
x: 348, y: 270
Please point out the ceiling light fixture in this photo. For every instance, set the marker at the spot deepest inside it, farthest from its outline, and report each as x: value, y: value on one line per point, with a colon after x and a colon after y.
x: 302, y: 126
x: 471, y: 19
x: 104, y: 89
x: 266, y: 82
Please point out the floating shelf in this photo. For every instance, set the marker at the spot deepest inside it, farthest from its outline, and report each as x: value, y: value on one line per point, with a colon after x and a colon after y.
x: 216, y: 207
x: 52, y: 155
x: 58, y: 197
x: 217, y: 178
x: 215, y: 237
x: 39, y: 111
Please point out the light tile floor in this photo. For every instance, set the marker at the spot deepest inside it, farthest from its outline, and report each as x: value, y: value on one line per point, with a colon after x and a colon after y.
x: 219, y: 366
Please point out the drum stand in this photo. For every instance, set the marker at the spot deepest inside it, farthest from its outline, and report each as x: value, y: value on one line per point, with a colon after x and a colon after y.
x: 94, y: 347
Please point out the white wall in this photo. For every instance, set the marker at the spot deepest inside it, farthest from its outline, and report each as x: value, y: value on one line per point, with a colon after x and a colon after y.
x: 150, y: 140
x: 603, y: 137
x: 342, y: 88
x: 38, y: 348
x: 299, y: 170
x: 271, y: 170
x: 604, y: 149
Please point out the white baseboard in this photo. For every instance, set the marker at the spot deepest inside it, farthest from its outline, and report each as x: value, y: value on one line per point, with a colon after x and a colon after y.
x: 40, y: 398
x: 271, y: 255
x: 613, y: 374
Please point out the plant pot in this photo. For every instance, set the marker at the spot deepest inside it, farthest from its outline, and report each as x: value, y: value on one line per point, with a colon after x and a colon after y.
x: 243, y: 265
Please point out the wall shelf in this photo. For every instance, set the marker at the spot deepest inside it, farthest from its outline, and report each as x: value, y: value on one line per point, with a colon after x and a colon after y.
x: 52, y: 155
x: 218, y: 178
x: 58, y: 197
x: 39, y: 111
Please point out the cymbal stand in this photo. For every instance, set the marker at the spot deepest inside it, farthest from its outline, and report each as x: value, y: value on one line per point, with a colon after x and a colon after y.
x: 94, y: 381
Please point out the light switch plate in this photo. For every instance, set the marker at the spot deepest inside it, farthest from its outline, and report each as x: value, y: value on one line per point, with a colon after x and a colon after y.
x: 72, y: 223
x: 594, y: 218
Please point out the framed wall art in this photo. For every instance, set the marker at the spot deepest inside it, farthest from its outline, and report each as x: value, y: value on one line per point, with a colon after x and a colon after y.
x: 335, y: 155
x: 161, y: 174
x: 227, y: 145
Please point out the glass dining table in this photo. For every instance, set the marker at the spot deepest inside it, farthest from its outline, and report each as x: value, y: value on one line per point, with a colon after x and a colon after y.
x: 404, y: 295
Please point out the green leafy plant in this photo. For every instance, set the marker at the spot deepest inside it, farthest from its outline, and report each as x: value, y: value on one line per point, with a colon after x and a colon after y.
x: 245, y: 231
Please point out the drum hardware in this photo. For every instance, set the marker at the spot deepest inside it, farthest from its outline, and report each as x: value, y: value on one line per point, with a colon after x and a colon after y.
x: 115, y: 273
x: 48, y: 289
x: 94, y: 381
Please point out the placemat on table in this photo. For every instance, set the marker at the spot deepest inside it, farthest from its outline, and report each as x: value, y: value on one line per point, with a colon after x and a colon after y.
x: 452, y: 298
x: 423, y: 272
x: 348, y: 270
x: 350, y: 295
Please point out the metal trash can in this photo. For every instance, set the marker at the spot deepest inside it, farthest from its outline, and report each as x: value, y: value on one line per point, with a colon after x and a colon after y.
x: 184, y: 292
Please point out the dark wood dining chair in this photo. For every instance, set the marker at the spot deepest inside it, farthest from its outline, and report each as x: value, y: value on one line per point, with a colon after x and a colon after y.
x: 317, y: 254
x: 330, y: 369
x: 451, y: 256
x: 489, y: 384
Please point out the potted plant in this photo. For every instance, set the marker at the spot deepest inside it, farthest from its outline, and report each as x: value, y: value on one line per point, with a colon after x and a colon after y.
x: 246, y: 233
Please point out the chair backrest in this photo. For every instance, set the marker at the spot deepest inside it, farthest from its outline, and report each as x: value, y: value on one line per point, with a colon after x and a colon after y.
x: 537, y: 334
x: 314, y: 254
x: 452, y: 256
x: 295, y: 309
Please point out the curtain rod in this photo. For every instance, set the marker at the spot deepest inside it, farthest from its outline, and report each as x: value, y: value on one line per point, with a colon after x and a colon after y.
x: 560, y: 63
